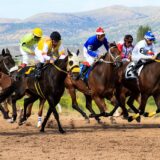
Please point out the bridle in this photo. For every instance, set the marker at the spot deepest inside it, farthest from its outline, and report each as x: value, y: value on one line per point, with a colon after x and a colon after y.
x: 9, y: 70
x: 114, y: 59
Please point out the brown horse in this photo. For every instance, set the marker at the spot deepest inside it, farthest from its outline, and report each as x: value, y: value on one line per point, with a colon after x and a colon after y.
x: 102, y: 80
x: 100, y: 85
x: 7, y: 65
x: 149, y: 85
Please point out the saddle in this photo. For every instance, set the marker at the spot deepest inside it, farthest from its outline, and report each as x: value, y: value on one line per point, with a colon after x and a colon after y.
x: 29, y: 71
x: 26, y: 71
x: 133, y: 70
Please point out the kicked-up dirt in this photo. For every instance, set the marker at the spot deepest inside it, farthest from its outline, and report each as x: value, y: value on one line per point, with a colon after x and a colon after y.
x: 82, y: 141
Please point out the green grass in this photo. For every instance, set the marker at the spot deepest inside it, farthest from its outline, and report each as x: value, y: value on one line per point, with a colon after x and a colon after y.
x: 67, y: 104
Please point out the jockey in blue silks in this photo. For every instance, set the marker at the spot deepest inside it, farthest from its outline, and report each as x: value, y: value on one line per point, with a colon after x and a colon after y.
x: 91, y: 47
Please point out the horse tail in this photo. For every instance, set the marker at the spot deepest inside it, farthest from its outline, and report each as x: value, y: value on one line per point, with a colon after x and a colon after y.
x: 7, y: 92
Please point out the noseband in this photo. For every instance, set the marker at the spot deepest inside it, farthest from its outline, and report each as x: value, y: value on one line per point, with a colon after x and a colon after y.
x: 114, y: 59
x: 9, y: 70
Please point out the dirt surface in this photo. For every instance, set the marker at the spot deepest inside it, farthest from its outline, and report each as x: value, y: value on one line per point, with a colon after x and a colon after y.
x: 82, y: 141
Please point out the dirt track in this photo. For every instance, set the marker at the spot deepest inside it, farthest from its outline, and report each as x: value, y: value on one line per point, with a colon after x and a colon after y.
x: 84, y: 142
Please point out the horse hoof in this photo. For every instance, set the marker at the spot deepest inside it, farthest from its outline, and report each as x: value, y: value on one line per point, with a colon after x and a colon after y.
x: 62, y: 131
x: 39, y: 124
x: 138, y: 119
x: 130, y: 119
x: 91, y: 116
x: 10, y: 120
x: 21, y: 122
x: 146, y: 114
x: 42, y: 130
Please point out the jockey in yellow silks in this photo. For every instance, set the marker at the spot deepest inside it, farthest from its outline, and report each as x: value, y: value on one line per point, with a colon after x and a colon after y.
x: 47, y: 49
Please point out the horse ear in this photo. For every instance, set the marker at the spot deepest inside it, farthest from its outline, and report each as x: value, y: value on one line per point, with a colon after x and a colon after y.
x: 69, y: 53
x: 77, y: 52
x: 3, y: 52
x: 7, y: 51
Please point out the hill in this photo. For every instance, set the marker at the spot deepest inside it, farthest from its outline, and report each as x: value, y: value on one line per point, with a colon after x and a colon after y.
x: 76, y: 27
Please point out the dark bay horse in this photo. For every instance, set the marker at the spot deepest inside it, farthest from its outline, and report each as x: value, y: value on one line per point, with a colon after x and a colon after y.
x: 7, y: 65
x: 149, y: 85
x: 51, y: 83
x: 7, y: 69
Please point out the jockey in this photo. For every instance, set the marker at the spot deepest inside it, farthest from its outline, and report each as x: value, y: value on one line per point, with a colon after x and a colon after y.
x: 27, y: 45
x: 144, y: 50
x: 126, y: 47
x: 91, y: 47
x: 47, y: 48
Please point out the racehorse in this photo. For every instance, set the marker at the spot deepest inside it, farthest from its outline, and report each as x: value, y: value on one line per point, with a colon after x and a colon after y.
x: 101, y: 83
x: 149, y: 85
x: 51, y: 83
x: 102, y: 80
x: 7, y: 65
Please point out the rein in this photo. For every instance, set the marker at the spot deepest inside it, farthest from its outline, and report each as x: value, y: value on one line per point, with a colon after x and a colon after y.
x: 113, y: 58
x: 9, y: 70
x: 59, y: 69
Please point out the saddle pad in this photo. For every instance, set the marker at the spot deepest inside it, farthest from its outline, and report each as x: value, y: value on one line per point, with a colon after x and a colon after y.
x: 129, y: 74
x: 26, y: 70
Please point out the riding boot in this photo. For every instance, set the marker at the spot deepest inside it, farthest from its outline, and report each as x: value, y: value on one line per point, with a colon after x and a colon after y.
x: 38, y: 70
x: 136, y: 67
x: 84, y: 71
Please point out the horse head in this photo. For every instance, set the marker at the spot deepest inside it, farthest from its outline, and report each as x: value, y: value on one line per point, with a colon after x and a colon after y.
x: 114, y: 54
x: 73, y: 64
x: 7, y: 63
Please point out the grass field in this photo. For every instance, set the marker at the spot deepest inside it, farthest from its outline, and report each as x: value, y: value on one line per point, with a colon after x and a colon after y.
x: 67, y: 104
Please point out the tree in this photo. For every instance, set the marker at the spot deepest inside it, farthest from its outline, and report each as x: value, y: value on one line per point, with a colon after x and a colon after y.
x: 141, y: 31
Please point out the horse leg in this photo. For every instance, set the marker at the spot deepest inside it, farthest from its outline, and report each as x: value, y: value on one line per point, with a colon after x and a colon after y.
x: 29, y: 110
x: 130, y: 103
x: 5, y: 110
x: 27, y: 101
x: 5, y: 114
x: 144, y: 99
x: 56, y: 115
x: 157, y: 101
x: 5, y: 104
x: 75, y: 104
x: 46, y: 119
x: 121, y: 101
x: 101, y: 105
x: 40, y: 112
x: 89, y: 107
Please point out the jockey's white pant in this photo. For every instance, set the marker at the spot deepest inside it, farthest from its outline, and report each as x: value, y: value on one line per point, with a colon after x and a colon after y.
x: 26, y: 57
x: 89, y: 58
x: 41, y: 58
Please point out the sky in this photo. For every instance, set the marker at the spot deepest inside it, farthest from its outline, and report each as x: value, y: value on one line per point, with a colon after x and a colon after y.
x: 26, y: 8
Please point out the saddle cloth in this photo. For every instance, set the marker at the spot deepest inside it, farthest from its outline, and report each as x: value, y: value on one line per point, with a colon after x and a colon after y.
x: 130, y: 73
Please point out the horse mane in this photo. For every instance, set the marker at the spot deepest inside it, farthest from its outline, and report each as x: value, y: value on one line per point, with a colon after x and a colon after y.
x: 112, y: 44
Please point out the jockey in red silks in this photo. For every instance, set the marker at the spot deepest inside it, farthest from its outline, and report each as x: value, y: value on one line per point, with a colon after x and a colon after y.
x: 91, y: 47
x: 126, y: 47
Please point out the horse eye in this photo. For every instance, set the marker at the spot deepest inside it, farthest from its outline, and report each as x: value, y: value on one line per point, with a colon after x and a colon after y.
x: 70, y: 63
